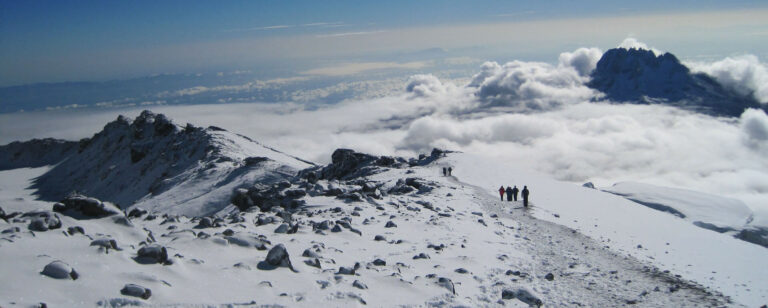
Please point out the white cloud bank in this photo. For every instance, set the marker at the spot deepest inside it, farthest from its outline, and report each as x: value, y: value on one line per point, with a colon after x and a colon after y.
x: 745, y: 74
x: 558, y: 131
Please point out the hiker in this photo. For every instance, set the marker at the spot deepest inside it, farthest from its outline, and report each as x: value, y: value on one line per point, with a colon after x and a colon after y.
x: 449, y: 171
x: 445, y: 171
x: 509, y: 193
x: 525, y: 196
x: 501, y: 192
x: 514, y: 193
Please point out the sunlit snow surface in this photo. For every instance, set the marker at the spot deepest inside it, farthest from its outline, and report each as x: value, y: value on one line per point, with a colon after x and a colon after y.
x: 718, y: 260
x: 218, y: 271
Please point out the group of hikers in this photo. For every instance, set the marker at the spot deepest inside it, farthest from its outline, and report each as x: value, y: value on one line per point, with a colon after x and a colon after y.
x: 447, y: 171
x: 510, y: 191
x: 512, y: 194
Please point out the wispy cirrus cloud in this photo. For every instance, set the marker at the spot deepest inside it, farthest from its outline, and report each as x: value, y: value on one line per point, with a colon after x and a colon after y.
x: 515, y: 14
x: 358, y: 33
x: 287, y: 26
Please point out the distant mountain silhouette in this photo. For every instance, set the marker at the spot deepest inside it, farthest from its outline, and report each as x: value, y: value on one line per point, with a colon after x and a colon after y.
x: 640, y: 76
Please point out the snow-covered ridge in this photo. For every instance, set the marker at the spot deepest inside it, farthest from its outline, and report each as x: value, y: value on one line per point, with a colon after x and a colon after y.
x: 640, y: 76
x: 154, y: 163
x: 708, y: 211
x: 35, y: 153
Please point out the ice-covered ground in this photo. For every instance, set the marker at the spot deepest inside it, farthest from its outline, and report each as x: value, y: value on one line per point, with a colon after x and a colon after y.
x: 735, y: 267
x: 478, y: 245
x: 704, y: 210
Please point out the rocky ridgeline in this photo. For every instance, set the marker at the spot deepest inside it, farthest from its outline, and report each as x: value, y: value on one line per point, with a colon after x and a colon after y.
x: 150, y: 156
x: 344, y: 178
x: 36, y: 153
x: 116, y: 163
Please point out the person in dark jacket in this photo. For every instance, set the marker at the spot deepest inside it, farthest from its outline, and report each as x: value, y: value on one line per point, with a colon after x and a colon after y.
x: 509, y: 193
x: 445, y: 171
x: 525, y: 196
x: 449, y: 171
x: 514, y: 193
x: 501, y: 192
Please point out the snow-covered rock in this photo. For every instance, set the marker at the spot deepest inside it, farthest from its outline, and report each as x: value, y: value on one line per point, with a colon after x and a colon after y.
x: 79, y: 205
x: 152, y: 163
x: 278, y: 256
x: 60, y: 270
x: 136, y: 291
x: 42, y: 220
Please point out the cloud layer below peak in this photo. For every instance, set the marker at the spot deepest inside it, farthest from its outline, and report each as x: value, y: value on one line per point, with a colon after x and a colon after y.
x: 537, y: 115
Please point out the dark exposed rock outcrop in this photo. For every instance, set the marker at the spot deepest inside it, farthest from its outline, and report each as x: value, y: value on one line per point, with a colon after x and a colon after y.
x: 640, y: 76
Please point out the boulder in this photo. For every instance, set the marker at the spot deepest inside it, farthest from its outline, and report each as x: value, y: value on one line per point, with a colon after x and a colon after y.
x: 390, y: 224
x: 247, y: 241
x: 524, y: 295
x: 137, y: 212
x: 205, y: 222
x: 60, y: 270
x: 447, y: 284
x: 283, y: 228
x: 106, y: 243
x: 266, y: 197
x: 153, y: 254
x: 43, y: 221
x: 75, y: 229
x: 278, y: 256
x: 358, y: 284
x: 314, y: 262
x: 346, y: 163
x: 309, y: 254
x: 77, y: 205
x: 254, y: 160
x: 136, y: 291
x: 11, y: 230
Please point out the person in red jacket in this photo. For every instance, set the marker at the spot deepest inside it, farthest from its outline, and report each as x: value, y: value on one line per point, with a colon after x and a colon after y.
x: 501, y: 192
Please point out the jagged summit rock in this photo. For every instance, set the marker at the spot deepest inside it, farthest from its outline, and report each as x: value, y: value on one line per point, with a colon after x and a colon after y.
x: 156, y: 164
x: 640, y: 76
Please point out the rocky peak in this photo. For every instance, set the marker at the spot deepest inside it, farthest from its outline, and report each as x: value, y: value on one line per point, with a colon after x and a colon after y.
x: 640, y: 76
x: 150, y: 156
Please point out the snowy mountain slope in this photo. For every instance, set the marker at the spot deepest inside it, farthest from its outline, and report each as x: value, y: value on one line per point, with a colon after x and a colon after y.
x: 711, y: 212
x: 640, y: 76
x: 35, y: 153
x: 160, y: 165
x: 719, y: 261
x: 422, y: 240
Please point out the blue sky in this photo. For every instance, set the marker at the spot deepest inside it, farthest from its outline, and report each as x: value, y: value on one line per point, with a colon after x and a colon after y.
x: 52, y: 41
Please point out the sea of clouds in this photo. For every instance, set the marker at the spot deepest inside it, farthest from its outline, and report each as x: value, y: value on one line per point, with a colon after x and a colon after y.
x: 540, y: 116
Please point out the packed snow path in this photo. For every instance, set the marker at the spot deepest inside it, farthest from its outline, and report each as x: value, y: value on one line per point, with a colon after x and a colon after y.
x: 585, y: 272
